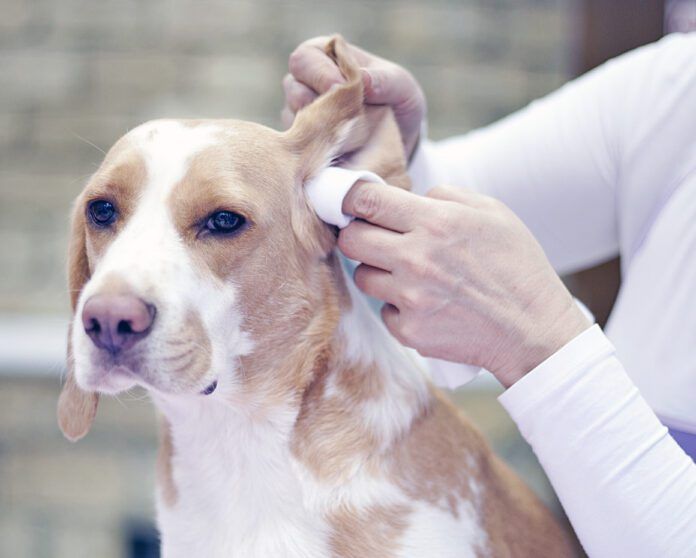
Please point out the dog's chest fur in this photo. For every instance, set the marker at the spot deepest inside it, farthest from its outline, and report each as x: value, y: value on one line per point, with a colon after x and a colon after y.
x: 243, y: 491
x: 236, y: 492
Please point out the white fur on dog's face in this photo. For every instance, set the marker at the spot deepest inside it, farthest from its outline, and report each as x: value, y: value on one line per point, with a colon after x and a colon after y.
x: 156, y: 253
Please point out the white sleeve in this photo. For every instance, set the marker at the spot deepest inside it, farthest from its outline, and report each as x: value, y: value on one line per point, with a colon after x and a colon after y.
x: 558, y: 163
x: 627, y: 487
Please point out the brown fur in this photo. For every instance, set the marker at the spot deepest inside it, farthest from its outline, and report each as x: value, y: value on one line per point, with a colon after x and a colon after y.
x: 359, y: 533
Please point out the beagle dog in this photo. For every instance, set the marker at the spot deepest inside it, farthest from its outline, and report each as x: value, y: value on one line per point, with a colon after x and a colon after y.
x: 293, y: 424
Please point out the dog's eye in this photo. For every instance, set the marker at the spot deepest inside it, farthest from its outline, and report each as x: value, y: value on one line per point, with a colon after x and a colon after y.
x: 224, y: 222
x: 102, y: 213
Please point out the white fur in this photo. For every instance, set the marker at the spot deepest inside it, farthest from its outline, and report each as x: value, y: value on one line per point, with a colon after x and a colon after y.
x: 237, y: 494
x: 442, y: 535
x: 406, y: 387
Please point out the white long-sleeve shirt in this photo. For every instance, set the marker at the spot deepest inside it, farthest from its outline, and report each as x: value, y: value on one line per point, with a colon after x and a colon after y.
x: 607, y: 165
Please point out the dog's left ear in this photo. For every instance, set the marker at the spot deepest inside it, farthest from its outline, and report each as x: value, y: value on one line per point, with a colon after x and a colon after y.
x: 76, y: 407
x: 338, y: 128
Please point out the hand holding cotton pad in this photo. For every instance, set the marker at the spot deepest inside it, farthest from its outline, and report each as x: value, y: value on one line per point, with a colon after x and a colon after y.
x: 326, y: 193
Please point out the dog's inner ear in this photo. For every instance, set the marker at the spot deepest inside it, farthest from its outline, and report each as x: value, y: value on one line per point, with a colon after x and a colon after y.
x: 76, y: 408
x: 338, y: 128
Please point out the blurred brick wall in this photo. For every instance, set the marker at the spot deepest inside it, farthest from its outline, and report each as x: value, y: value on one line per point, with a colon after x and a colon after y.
x: 62, y: 500
x: 81, y: 72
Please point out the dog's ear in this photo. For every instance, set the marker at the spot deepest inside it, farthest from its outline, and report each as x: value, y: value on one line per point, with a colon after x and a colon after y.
x: 338, y: 128
x: 76, y: 408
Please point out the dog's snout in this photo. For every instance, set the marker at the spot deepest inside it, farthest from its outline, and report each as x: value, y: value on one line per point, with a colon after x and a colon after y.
x: 116, y: 322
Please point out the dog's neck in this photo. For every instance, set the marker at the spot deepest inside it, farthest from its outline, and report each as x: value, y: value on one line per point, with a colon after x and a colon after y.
x: 236, y: 459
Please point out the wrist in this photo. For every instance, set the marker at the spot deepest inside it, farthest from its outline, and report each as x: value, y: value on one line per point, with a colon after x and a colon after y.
x: 539, y: 343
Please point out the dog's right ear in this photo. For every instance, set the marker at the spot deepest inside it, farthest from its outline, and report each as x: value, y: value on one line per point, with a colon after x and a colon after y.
x: 76, y: 407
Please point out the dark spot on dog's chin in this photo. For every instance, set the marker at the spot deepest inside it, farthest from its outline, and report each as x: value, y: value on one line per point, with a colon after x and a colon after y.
x: 210, y: 389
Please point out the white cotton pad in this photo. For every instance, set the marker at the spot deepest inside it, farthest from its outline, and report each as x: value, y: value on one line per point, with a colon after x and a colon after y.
x: 327, y: 190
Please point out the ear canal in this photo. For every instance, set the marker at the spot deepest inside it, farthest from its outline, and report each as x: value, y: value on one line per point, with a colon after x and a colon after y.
x: 339, y: 127
x: 76, y: 407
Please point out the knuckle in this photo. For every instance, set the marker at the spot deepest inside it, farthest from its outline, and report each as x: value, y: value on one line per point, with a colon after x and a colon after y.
x: 439, y: 192
x: 434, y: 192
x: 414, y: 265
x: 442, y: 222
x: 367, y: 203
x: 411, y: 299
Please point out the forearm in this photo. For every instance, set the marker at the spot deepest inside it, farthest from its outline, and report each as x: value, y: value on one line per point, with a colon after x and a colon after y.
x: 627, y: 487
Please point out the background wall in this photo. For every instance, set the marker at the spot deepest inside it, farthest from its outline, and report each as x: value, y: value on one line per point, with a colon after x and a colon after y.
x: 74, y: 76
x: 77, y: 72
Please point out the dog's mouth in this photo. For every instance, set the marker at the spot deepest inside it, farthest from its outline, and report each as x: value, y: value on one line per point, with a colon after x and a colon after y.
x: 112, y: 375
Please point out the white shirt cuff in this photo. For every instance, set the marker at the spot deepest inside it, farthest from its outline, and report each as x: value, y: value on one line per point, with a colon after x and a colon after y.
x: 561, y: 367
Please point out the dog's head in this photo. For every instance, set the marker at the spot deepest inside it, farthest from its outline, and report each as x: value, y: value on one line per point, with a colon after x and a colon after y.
x: 196, y: 264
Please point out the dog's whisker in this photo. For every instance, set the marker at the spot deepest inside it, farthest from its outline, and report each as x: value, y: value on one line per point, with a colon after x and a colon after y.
x: 85, y: 140
x: 136, y: 398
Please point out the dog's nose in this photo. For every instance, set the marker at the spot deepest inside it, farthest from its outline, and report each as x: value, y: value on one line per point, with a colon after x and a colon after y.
x: 117, y: 322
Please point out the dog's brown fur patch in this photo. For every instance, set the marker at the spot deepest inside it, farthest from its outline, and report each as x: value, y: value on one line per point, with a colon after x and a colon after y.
x: 372, y: 532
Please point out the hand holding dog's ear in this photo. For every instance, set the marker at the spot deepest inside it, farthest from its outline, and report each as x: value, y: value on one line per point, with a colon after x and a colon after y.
x: 312, y: 73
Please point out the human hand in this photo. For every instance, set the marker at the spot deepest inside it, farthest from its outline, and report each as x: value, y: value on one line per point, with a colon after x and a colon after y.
x: 312, y: 73
x: 463, y: 278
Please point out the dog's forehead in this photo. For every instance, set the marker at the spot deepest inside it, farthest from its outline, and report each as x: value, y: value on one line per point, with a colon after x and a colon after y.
x: 168, y: 146
x: 171, y: 150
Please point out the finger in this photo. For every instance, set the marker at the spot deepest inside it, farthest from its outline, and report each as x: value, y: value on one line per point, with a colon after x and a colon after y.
x: 387, y: 85
x: 383, y: 205
x: 297, y: 95
x: 375, y: 282
x: 371, y: 245
x: 310, y: 65
x: 287, y: 117
x: 391, y: 318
